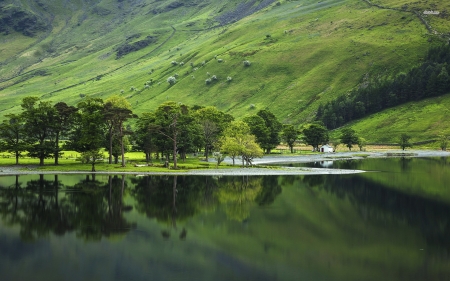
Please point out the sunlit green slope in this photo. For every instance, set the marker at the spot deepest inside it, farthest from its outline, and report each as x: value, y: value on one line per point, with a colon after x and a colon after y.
x: 302, y: 53
x: 423, y: 120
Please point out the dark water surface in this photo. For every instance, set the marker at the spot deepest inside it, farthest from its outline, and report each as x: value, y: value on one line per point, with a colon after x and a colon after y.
x: 389, y: 224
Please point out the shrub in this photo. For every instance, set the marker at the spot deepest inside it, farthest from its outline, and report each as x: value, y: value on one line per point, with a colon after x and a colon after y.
x: 191, y: 64
x: 208, y: 74
x: 171, y: 80
x: 174, y: 62
x: 181, y: 63
x: 122, y: 91
x: 203, y: 63
x: 133, y: 88
x: 208, y: 81
x: 229, y: 79
x: 176, y: 75
x: 252, y: 106
x: 214, y: 77
x: 220, y: 60
x: 247, y: 63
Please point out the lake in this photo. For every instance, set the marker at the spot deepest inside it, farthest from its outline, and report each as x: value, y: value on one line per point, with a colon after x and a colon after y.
x: 391, y: 223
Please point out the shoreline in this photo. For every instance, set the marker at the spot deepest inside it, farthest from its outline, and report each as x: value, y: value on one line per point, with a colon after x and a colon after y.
x: 255, y: 171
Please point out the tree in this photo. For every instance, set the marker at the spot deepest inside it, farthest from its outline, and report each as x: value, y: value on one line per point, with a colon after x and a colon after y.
x: 169, y: 117
x: 362, y: 142
x: 64, y: 119
x: 39, y: 121
x: 404, y: 141
x: 117, y: 110
x: 12, y: 135
x: 443, y: 141
x: 87, y: 136
x: 238, y: 141
x: 213, y: 122
x: 349, y: 137
x: 144, y: 137
x: 315, y: 134
x: 273, y: 126
x: 289, y: 136
x: 259, y: 129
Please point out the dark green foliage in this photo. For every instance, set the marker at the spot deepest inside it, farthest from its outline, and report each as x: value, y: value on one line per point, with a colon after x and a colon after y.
x: 127, y: 48
x: 404, y: 141
x: 349, y: 137
x: 289, y: 136
x: 430, y: 79
x: 87, y: 136
x: 266, y: 128
x: 315, y: 134
x: 12, y: 135
x: 39, y: 118
x: 13, y: 18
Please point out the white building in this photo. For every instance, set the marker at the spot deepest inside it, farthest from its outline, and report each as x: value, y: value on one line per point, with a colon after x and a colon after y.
x: 326, y: 148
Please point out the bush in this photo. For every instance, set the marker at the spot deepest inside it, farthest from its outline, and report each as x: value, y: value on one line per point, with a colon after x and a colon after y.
x: 214, y: 77
x: 229, y: 79
x: 181, y: 63
x: 208, y: 81
x: 220, y: 60
x: 247, y: 63
x: 203, y: 63
x: 171, y: 80
x: 174, y: 62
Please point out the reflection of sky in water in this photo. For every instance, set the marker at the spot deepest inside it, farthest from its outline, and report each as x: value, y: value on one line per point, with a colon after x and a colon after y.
x: 353, y: 227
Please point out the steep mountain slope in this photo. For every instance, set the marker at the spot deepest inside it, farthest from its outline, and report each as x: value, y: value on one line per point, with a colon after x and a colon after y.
x: 302, y: 53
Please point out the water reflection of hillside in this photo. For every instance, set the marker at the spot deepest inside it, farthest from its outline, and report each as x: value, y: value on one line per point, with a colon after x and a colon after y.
x: 376, y: 202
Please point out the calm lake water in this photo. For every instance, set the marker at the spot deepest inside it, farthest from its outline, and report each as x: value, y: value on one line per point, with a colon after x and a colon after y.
x: 389, y: 224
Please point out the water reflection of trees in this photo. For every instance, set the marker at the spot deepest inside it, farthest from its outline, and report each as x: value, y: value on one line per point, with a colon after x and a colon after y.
x: 90, y: 208
x: 379, y: 203
x: 94, y: 208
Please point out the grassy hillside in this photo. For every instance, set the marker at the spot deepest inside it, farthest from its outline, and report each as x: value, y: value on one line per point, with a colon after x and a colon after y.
x: 302, y: 53
x: 422, y: 120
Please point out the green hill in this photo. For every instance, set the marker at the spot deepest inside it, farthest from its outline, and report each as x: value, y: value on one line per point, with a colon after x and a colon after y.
x: 302, y: 53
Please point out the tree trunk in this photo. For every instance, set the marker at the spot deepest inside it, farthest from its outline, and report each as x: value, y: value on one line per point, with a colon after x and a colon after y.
x: 121, y: 146
x: 17, y: 157
x: 57, y: 149
x: 41, y: 161
x: 292, y: 149
x: 175, y: 151
x: 110, y: 146
x: 93, y: 166
x: 206, y: 152
x: 116, y: 159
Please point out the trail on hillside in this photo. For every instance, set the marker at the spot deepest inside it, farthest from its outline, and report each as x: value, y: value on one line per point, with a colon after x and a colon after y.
x: 416, y: 13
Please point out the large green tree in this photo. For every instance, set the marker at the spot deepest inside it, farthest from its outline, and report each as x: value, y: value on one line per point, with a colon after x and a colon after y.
x: 266, y: 128
x: 238, y: 141
x: 116, y: 111
x: 39, y: 117
x: 349, y: 137
x: 87, y: 136
x: 12, y: 135
x: 170, y: 119
x: 64, y: 118
x: 315, y: 134
x: 144, y: 137
x: 213, y: 122
x: 289, y: 135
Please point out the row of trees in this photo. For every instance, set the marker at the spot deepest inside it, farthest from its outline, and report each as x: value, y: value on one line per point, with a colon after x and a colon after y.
x: 170, y: 130
x: 430, y: 79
